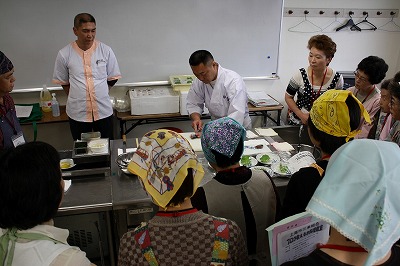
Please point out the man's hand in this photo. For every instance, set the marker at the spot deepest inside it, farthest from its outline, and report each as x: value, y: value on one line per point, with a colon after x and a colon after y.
x: 197, y: 124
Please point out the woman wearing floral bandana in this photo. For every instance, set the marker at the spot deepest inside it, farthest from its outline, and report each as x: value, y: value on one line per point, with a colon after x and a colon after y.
x: 168, y: 169
x: 10, y: 129
x: 236, y: 192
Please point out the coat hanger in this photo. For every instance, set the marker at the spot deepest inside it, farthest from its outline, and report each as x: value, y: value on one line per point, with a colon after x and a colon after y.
x: 365, y: 21
x: 391, y: 25
x: 350, y: 23
x: 305, y: 23
x: 332, y: 25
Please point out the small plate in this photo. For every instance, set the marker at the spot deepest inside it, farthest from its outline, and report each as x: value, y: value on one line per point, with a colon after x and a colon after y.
x: 265, y: 169
x: 281, y: 169
x: 268, y: 158
x: 251, y: 161
x: 66, y: 164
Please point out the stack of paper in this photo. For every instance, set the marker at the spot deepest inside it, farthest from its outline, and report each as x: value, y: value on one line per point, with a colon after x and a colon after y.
x: 260, y: 98
x: 296, y: 237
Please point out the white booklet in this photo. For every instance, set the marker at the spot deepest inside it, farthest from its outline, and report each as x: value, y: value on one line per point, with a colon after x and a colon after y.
x: 296, y: 237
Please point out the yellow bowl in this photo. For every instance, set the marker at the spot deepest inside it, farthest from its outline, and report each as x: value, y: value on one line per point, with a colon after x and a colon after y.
x: 66, y: 163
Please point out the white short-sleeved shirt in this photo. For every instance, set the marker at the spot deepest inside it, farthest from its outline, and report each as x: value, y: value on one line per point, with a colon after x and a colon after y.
x: 45, y: 252
x: 87, y: 73
x: 227, y: 97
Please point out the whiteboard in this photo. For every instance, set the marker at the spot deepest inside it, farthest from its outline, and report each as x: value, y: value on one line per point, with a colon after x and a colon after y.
x: 152, y: 39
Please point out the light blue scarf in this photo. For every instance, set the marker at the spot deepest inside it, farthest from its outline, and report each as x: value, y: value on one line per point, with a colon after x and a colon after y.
x: 360, y: 195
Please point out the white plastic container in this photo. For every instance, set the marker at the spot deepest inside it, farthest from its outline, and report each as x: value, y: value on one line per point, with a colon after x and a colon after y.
x: 153, y: 101
x: 45, y: 99
x: 55, y: 106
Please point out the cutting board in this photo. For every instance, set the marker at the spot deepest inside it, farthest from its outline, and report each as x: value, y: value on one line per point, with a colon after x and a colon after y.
x: 195, y: 143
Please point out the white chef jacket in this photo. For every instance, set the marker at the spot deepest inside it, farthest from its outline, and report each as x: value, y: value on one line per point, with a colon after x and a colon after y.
x: 228, y: 97
x: 87, y: 73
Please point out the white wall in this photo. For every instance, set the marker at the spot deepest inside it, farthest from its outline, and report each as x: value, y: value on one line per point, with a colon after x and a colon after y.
x: 352, y: 47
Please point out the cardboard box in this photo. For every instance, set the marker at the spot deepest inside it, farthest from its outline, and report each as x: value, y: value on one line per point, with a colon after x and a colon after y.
x: 181, y: 82
x: 153, y: 101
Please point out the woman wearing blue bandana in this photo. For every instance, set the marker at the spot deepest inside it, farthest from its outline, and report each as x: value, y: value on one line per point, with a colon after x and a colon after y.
x: 359, y: 197
x: 238, y: 193
x: 10, y: 129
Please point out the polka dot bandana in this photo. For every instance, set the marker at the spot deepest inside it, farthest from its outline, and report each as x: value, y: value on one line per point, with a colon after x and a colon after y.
x: 330, y: 114
x: 161, y: 162
x: 222, y: 135
x: 5, y: 64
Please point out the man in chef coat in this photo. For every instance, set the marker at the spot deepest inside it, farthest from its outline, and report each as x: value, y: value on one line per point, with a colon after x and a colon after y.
x: 87, y: 69
x: 221, y: 90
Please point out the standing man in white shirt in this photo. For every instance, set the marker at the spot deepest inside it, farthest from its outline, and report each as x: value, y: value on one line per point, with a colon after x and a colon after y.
x: 221, y: 90
x: 87, y: 69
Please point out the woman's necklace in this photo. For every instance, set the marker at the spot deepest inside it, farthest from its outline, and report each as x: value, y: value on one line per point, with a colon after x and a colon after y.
x: 312, y: 84
x: 369, y: 93
x: 342, y: 248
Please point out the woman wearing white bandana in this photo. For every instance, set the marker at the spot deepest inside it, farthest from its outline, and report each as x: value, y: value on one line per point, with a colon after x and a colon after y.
x: 359, y: 198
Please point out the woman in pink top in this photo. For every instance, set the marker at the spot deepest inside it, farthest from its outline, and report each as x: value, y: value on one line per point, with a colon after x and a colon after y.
x: 370, y: 71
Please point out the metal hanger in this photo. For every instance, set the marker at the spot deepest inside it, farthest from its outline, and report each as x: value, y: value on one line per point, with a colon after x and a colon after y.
x: 391, y: 25
x: 332, y: 24
x: 365, y: 21
x: 350, y: 23
x: 306, y: 22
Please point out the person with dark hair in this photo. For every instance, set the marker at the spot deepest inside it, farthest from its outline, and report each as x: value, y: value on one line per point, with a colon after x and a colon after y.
x: 370, y: 72
x: 334, y: 120
x: 10, y: 130
x: 394, y: 88
x: 236, y: 192
x: 308, y: 84
x: 169, y: 171
x: 382, y: 121
x: 31, y: 190
x: 219, y: 89
x: 87, y: 69
x: 359, y: 198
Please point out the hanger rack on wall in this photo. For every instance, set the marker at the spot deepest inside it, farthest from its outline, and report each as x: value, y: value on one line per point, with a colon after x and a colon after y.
x: 340, y: 12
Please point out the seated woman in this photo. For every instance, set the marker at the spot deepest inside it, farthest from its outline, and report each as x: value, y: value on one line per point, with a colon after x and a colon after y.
x: 382, y: 120
x: 10, y: 130
x: 359, y: 197
x: 394, y: 88
x: 243, y: 195
x: 307, y: 84
x: 31, y: 190
x: 334, y: 120
x: 178, y: 234
x: 370, y: 71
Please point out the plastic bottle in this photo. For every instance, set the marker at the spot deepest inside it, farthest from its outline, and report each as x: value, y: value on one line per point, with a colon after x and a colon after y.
x: 55, y: 107
x: 45, y: 99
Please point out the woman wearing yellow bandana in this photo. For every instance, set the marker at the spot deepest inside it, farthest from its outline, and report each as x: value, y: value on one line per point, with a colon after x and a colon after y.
x: 178, y: 234
x: 335, y: 118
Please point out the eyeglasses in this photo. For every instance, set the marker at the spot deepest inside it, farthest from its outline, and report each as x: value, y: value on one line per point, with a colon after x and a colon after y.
x: 357, y: 75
